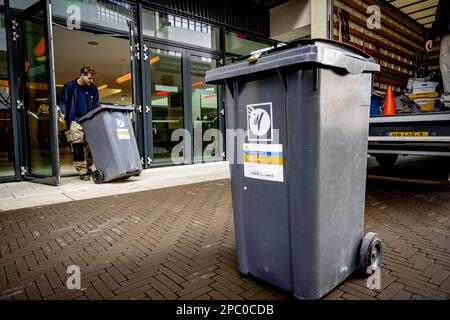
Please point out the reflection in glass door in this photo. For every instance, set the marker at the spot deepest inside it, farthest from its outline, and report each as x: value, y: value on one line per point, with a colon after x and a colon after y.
x: 205, y: 111
x: 36, y: 98
x: 167, y: 101
x: 6, y: 137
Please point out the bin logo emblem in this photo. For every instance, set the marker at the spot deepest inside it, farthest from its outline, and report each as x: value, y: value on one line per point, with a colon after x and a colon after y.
x: 120, y: 123
x: 260, y: 122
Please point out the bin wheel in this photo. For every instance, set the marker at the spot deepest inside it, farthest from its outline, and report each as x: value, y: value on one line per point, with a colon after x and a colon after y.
x: 386, y: 161
x: 97, y: 176
x: 370, y: 253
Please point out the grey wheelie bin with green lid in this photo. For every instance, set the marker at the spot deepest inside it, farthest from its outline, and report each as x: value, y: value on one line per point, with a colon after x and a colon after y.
x: 297, y: 134
x: 111, y: 139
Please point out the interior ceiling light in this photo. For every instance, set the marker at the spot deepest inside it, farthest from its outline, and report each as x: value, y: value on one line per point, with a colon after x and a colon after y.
x: 108, y: 92
x: 197, y: 84
x: 39, y: 50
x: 124, y: 78
x: 154, y: 59
x: 103, y: 87
x: 160, y: 87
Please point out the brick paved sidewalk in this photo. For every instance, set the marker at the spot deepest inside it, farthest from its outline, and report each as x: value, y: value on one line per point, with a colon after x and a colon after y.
x: 178, y: 243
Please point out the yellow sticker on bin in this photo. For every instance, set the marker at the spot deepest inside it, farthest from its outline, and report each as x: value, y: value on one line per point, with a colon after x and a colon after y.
x: 123, y: 134
x: 263, y: 159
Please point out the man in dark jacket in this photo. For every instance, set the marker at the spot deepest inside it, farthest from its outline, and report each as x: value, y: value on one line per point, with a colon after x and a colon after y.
x: 78, y: 97
x: 441, y: 27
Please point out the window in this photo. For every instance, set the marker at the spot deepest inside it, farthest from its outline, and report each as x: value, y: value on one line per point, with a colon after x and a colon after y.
x: 180, y: 29
x: 241, y: 44
x: 148, y: 20
x: 21, y: 4
x: 112, y: 14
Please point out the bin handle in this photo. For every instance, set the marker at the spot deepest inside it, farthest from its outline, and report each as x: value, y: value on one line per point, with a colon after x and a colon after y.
x: 349, y: 62
x: 355, y: 67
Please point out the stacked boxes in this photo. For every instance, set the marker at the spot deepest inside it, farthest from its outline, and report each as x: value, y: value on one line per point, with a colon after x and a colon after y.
x: 423, y: 92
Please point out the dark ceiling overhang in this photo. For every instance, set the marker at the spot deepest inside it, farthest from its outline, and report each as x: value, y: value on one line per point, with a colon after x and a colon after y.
x: 269, y: 3
x: 249, y: 16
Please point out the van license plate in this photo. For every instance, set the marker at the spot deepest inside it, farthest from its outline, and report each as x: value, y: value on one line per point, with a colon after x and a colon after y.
x: 408, y: 134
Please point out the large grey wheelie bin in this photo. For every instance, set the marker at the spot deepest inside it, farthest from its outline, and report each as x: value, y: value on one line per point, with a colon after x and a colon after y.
x: 111, y: 139
x: 298, y: 117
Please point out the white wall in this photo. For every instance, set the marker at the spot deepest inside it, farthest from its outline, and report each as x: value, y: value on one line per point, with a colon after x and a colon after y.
x: 319, y: 19
x: 299, y: 18
x: 291, y: 20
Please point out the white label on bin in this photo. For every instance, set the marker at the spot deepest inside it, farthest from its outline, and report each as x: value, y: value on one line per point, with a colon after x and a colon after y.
x: 123, y: 134
x: 263, y: 162
x: 260, y: 122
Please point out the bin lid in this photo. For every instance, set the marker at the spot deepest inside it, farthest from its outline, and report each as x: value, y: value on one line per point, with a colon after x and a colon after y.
x: 104, y: 107
x: 317, y: 51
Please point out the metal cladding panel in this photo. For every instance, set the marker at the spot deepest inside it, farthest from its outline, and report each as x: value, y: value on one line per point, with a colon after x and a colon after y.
x: 244, y: 15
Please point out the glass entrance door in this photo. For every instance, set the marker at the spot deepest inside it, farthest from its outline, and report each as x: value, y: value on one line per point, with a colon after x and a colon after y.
x: 206, y: 117
x: 37, y: 94
x: 114, y: 77
x: 185, y: 120
x: 167, y: 103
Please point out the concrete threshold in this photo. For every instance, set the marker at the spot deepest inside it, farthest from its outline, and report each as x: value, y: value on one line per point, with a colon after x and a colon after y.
x: 19, y: 195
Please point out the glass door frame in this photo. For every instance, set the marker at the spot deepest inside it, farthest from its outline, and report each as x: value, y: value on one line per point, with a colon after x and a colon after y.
x: 141, y: 98
x: 187, y: 98
x: 55, y: 178
x: 13, y: 93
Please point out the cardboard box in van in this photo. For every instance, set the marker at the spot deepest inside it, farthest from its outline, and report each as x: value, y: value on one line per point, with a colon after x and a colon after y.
x: 420, y: 86
x: 426, y: 104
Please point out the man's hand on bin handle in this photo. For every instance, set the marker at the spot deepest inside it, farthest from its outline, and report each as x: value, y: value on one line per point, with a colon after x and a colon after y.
x: 60, y: 115
x: 429, y: 45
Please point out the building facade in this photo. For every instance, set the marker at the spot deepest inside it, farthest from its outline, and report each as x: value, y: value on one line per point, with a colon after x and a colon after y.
x: 152, y: 55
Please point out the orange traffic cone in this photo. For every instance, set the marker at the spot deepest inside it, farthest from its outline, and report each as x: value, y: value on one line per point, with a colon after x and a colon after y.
x: 389, y: 104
